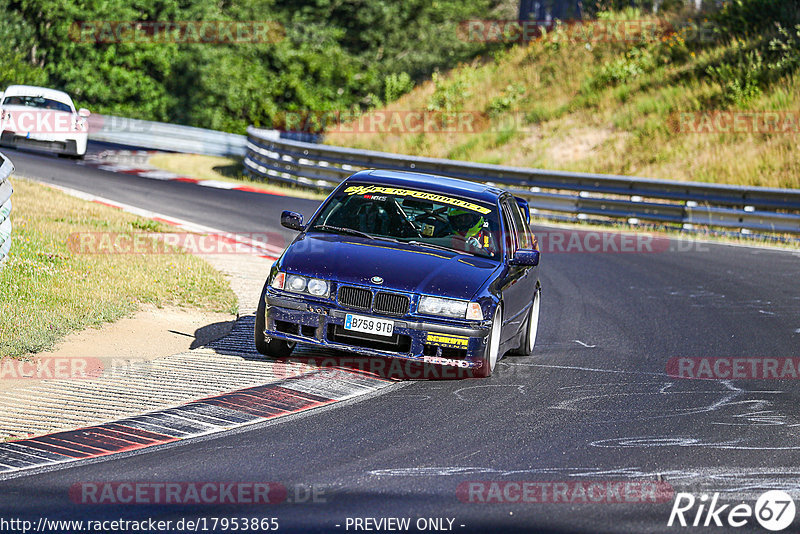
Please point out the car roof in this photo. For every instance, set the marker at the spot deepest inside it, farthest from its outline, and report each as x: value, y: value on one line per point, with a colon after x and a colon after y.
x: 32, y: 90
x: 428, y: 182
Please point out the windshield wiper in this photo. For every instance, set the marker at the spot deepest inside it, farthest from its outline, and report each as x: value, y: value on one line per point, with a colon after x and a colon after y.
x: 438, y: 247
x: 342, y: 230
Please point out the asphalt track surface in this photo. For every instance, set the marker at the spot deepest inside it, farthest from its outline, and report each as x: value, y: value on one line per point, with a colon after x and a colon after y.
x: 593, y: 403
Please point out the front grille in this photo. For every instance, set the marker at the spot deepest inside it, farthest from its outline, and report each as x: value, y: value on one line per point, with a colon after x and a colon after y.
x: 391, y: 304
x: 355, y: 297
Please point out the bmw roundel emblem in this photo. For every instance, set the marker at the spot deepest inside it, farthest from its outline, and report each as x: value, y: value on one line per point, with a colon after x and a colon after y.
x: 377, y: 280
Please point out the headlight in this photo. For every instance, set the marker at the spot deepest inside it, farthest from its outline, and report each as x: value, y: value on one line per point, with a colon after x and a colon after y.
x: 317, y: 287
x: 296, y: 283
x: 445, y: 307
x: 301, y: 284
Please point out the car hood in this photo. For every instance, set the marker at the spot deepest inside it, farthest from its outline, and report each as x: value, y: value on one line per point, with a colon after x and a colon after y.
x: 403, y: 267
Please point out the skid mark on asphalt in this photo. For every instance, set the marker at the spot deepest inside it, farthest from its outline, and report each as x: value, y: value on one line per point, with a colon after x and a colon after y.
x: 733, y: 483
x: 727, y: 404
x: 591, y: 369
x: 648, y: 442
x: 699, y: 297
x: 459, y: 392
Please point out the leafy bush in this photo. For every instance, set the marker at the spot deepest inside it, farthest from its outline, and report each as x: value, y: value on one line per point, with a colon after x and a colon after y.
x: 396, y: 85
x: 449, y: 94
x: 754, y: 18
x: 635, y: 62
x: 334, y: 55
x: 739, y: 80
x: 785, y: 51
x: 511, y: 95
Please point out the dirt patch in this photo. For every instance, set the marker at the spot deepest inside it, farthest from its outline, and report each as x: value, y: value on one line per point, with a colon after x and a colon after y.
x: 148, y: 334
x: 578, y: 144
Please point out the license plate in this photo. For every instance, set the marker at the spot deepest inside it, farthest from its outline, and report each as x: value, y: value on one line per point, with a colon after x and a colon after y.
x: 368, y: 325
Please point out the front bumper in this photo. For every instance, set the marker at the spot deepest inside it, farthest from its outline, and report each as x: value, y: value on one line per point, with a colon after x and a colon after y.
x: 72, y: 145
x: 424, y: 341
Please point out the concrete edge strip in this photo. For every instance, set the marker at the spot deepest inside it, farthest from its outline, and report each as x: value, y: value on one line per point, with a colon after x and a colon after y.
x: 231, y: 410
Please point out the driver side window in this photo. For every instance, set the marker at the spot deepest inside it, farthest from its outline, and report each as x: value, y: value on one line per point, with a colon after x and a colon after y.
x: 520, y: 236
x: 522, y: 229
x: 511, y: 238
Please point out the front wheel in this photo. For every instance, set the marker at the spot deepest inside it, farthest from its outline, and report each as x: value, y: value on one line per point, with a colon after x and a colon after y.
x: 274, y: 348
x: 492, y: 354
x: 528, y: 340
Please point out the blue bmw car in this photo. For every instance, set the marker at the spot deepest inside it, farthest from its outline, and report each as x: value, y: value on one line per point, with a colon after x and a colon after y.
x: 409, y: 266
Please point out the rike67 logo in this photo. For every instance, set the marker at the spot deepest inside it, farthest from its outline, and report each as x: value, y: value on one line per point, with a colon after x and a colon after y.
x: 774, y: 510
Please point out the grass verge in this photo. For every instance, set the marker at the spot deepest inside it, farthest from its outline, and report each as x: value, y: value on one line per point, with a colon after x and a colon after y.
x: 47, y: 290
x: 223, y: 169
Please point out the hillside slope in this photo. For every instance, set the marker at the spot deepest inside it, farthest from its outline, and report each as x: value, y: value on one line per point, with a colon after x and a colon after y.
x: 652, y: 103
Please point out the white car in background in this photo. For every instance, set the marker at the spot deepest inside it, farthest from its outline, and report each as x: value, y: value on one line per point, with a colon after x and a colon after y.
x: 43, y: 119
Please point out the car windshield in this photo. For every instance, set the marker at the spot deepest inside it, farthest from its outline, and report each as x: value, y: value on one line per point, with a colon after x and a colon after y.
x: 36, y: 102
x: 423, y: 218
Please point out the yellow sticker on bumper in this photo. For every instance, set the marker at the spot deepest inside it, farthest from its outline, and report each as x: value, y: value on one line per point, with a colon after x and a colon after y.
x: 447, y: 341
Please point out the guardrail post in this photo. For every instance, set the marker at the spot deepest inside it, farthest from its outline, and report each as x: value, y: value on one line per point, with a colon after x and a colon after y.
x: 6, y: 168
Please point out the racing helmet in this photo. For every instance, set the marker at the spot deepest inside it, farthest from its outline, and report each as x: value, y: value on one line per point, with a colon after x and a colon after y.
x: 464, y: 222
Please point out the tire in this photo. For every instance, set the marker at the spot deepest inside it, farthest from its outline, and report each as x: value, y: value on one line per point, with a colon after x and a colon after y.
x: 273, y: 348
x: 492, y: 355
x: 528, y: 340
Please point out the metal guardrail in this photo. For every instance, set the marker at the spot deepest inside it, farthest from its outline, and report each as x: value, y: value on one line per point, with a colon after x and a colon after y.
x: 164, y: 136
x: 551, y: 194
x: 6, y: 168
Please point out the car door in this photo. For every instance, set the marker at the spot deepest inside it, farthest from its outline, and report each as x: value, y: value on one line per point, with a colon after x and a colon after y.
x: 525, y: 241
x: 516, y: 294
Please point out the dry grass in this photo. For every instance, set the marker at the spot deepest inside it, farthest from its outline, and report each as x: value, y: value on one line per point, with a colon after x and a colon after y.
x: 560, y: 120
x: 48, y: 289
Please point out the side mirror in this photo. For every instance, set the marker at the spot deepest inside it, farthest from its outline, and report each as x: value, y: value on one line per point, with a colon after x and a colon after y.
x: 292, y: 220
x: 523, y: 205
x: 525, y: 257
x: 83, y: 112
